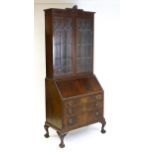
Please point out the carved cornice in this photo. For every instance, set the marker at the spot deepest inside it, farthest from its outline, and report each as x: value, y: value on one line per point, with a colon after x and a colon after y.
x: 70, y: 11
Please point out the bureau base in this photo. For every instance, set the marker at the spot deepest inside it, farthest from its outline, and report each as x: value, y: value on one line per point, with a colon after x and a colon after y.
x: 73, y: 103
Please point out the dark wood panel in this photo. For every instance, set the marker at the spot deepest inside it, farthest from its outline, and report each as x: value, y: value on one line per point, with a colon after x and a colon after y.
x: 49, y: 46
x: 53, y: 104
x: 74, y: 87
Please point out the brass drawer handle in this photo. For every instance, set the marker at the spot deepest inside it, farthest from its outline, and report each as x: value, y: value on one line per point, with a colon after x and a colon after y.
x: 96, y: 104
x: 98, y: 97
x: 70, y: 111
x: 97, y: 113
x: 70, y: 121
x: 70, y: 103
x: 84, y: 100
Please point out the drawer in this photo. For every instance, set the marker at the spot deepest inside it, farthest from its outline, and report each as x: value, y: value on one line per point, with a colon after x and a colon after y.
x: 83, y: 104
x: 84, y: 100
x: 76, y: 110
x: 83, y: 119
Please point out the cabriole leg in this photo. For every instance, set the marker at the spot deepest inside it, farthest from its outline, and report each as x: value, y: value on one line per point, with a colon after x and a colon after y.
x: 47, y: 132
x: 61, y: 135
x: 103, y: 125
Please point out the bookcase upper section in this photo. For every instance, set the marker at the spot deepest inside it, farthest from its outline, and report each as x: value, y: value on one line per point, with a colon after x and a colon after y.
x: 69, y: 42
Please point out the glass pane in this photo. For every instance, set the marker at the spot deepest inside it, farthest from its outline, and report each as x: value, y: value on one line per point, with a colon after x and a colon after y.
x: 62, y: 45
x: 84, y: 47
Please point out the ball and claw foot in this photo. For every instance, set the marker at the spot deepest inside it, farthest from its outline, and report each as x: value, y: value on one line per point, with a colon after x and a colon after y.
x: 103, y: 131
x: 102, y: 128
x: 61, y: 135
x: 62, y: 145
x: 47, y: 132
x: 46, y: 135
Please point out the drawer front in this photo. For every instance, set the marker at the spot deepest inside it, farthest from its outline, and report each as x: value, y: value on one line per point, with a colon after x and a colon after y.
x: 83, y: 104
x: 84, y: 100
x: 73, y: 122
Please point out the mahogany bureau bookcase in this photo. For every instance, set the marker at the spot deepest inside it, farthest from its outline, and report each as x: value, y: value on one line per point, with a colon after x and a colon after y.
x: 74, y: 97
